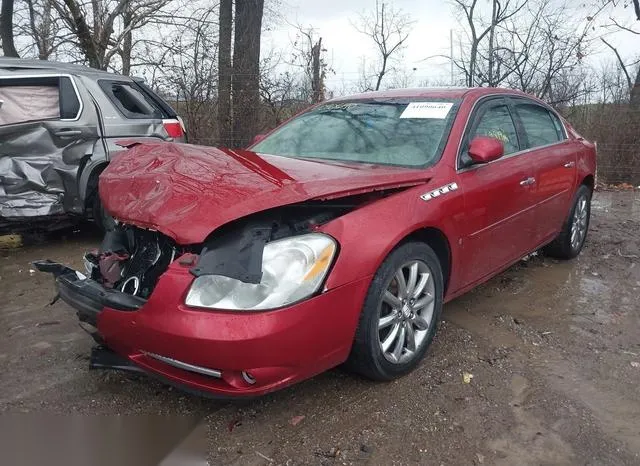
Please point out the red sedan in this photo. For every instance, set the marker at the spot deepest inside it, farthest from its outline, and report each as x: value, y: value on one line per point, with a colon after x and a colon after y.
x: 336, y: 238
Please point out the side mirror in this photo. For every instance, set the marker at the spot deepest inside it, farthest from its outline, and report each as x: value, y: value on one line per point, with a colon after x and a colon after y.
x: 257, y: 138
x: 484, y: 149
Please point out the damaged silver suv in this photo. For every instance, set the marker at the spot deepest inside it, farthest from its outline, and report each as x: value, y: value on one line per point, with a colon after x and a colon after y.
x: 59, y: 127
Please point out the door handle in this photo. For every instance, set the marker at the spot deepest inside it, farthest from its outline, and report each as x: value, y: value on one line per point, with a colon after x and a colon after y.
x: 528, y: 181
x: 68, y: 133
x: 569, y: 165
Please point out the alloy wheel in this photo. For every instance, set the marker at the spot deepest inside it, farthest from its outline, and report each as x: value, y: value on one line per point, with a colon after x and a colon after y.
x: 579, y: 223
x: 406, y: 312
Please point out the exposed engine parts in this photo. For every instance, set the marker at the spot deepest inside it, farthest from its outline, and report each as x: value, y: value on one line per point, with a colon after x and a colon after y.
x: 132, y: 259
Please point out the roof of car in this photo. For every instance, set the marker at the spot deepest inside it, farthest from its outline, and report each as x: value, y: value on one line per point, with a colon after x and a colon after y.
x: 20, y: 64
x: 422, y: 92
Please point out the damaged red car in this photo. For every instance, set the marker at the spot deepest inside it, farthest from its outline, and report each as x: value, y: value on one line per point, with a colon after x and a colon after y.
x: 334, y: 239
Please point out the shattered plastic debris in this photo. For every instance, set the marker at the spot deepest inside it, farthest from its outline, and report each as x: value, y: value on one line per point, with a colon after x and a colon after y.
x: 295, y: 420
x: 635, y: 364
x: 466, y: 377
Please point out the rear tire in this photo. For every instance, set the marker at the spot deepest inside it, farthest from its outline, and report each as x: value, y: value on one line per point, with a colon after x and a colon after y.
x: 570, y: 241
x: 411, y: 309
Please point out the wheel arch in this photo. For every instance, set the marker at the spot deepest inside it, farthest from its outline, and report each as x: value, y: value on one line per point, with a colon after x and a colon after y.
x: 438, y: 241
x: 90, y: 187
x: 589, y: 181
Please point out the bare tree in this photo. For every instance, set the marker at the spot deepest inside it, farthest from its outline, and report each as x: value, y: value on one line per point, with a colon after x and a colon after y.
x: 308, y: 54
x: 102, y: 28
x: 186, y: 67
x: 245, y: 80
x: 6, y: 29
x: 478, y: 29
x: 44, y: 29
x: 282, y: 91
x: 389, y: 29
x: 634, y: 85
x: 225, y: 18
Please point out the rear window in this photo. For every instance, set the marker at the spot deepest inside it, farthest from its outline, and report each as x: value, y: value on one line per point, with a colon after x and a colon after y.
x: 541, y: 126
x: 131, y: 100
x: 39, y: 98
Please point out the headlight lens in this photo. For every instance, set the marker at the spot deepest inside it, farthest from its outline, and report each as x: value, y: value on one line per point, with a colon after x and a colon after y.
x: 292, y: 269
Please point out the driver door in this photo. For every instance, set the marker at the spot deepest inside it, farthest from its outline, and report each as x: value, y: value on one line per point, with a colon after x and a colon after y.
x: 499, y: 195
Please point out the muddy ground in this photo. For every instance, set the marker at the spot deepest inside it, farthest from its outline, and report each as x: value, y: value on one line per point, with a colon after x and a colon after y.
x: 553, y: 347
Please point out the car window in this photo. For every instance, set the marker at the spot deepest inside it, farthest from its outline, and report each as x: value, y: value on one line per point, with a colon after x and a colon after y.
x: 497, y: 123
x: 379, y: 132
x: 38, y: 98
x: 131, y: 101
x: 540, y: 125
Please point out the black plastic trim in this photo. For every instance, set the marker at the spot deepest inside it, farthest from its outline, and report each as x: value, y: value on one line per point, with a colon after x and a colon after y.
x: 87, y: 296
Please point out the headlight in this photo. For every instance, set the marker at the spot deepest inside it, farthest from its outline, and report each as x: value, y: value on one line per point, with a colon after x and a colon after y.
x: 292, y: 269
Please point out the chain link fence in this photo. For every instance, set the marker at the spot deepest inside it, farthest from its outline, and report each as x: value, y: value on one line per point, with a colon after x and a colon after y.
x: 616, y: 130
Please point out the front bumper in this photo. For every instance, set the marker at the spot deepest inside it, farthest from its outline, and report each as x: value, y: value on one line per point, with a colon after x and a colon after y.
x: 220, y: 353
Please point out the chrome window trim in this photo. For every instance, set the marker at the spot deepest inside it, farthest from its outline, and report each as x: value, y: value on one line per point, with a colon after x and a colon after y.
x: 513, y: 154
x: 53, y: 75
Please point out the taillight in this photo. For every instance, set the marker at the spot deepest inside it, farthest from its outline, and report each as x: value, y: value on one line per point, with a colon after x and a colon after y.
x: 173, y: 128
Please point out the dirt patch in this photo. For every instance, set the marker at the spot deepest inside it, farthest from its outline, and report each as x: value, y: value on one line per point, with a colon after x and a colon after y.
x: 553, y: 348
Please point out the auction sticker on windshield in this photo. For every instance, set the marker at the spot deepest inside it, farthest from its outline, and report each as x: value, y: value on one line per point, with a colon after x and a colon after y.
x: 438, y: 110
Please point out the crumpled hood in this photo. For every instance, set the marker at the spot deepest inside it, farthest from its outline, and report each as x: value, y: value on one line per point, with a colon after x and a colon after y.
x: 187, y: 191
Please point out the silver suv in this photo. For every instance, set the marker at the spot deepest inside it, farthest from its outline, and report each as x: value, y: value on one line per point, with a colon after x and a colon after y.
x: 60, y: 124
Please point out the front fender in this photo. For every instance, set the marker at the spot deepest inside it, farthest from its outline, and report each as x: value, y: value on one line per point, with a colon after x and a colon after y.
x: 368, y: 234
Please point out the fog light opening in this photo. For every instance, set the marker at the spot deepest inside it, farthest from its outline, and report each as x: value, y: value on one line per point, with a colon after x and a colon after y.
x: 248, y: 378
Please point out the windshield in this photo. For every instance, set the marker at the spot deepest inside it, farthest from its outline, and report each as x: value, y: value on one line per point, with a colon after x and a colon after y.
x: 387, y: 133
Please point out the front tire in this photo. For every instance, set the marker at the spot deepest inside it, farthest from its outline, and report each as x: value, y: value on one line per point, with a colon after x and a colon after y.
x: 571, y: 239
x: 400, y: 314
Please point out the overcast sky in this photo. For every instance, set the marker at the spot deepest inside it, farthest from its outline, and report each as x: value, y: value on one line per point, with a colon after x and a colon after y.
x: 429, y: 36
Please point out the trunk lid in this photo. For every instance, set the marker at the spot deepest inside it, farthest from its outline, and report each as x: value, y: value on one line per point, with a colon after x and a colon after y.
x: 187, y: 191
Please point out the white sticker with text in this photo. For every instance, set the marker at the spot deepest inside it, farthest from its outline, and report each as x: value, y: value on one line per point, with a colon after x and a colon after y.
x: 438, y: 110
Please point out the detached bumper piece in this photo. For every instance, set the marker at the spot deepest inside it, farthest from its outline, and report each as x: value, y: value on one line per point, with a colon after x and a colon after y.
x: 103, y: 358
x: 85, y: 295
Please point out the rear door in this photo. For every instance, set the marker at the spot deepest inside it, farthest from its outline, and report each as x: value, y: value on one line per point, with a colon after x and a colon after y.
x: 554, y: 157
x: 498, y: 195
x: 48, y: 128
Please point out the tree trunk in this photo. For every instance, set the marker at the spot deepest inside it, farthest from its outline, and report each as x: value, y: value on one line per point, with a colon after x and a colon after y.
x: 127, y: 42
x: 224, y: 73
x: 635, y: 92
x: 6, y: 29
x: 382, y: 72
x: 246, y: 71
x: 86, y: 42
x: 490, y: 79
x: 317, y: 86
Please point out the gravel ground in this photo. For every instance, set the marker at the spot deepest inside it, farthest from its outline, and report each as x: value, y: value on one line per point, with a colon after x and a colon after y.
x: 553, y: 348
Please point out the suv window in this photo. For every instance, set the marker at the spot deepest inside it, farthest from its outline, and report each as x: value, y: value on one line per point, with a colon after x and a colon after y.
x: 130, y: 100
x: 37, y: 98
x: 540, y: 125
